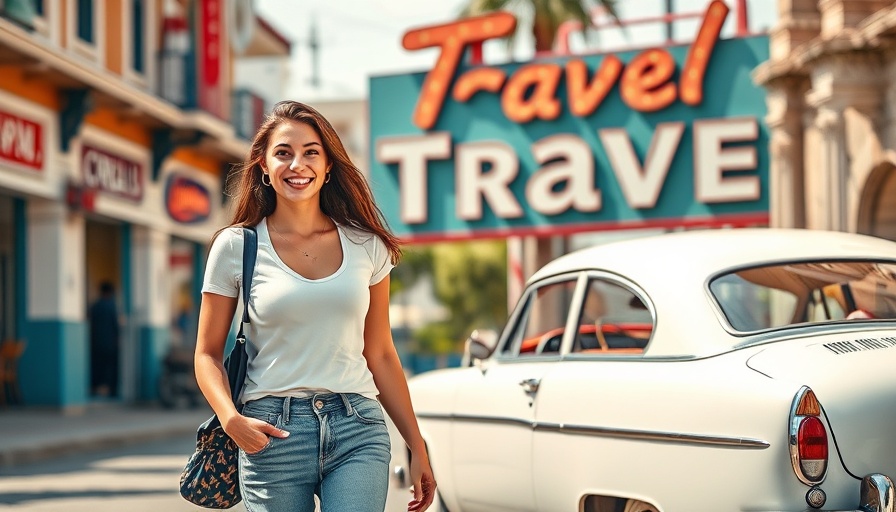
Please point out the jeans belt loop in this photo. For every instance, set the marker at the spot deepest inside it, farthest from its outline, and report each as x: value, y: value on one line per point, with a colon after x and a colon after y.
x: 286, y: 403
x: 348, y: 405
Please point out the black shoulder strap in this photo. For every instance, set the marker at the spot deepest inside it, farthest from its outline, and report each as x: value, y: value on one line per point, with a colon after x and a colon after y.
x: 250, y: 250
x: 238, y: 360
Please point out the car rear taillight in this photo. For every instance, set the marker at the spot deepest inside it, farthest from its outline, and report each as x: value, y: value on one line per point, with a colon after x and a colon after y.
x: 812, y: 441
x: 808, y: 438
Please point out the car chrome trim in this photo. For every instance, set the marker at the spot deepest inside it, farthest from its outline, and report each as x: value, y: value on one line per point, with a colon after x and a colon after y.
x: 798, y: 331
x: 860, y: 345
x: 509, y: 339
x: 475, y: 419
x: 877, y: 494
x: 643, y: 435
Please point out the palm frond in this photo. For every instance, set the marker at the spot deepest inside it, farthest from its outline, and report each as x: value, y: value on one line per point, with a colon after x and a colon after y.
x: 548, y: 15
x: 477, y: 7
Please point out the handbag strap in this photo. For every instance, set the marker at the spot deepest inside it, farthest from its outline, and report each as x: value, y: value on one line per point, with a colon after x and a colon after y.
x: 250, y: 250
x: 238, y: 359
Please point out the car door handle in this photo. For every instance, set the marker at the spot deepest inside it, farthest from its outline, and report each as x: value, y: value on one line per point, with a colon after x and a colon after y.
x: 530, y: 385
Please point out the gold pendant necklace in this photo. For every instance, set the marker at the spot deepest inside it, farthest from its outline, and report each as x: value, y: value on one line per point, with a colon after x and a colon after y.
x: 303, y: 251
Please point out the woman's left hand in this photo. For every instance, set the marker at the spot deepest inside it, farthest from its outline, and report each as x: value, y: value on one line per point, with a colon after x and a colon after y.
x: 424, y: 484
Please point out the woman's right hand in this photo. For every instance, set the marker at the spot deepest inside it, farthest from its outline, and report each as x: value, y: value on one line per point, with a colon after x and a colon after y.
x: 251, y: 434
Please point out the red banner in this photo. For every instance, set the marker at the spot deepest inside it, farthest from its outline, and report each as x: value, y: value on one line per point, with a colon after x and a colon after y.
x: 21, y: 141
x: 211, y: 48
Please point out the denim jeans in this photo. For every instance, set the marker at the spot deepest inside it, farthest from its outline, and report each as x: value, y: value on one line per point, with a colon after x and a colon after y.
x: 338, y: 448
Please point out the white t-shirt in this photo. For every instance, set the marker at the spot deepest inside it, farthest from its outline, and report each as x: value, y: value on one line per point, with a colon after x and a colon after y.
x: 304, y: 335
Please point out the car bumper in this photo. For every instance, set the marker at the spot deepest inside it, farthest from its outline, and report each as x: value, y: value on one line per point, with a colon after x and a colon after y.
x: 877, y: 494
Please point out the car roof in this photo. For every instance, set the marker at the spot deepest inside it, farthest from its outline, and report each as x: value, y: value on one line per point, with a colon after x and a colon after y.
x: 701, y: 253
x: 673, y: 270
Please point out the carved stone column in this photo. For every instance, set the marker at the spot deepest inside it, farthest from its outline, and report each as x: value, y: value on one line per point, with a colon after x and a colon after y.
x: 847, y: 95
x: 837, y: 15
x: 785, y: 122
x: 888, y: 128
x: 798, y: 22
x: 829, y: 212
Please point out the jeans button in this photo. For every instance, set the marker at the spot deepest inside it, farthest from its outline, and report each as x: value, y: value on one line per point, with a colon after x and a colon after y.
x: 319, y: 404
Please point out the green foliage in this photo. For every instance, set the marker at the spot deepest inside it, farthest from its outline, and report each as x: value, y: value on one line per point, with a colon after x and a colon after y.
x: 469, y: 280
x: 547, y: 15
x: 437, y: 338
x: 416, y: 261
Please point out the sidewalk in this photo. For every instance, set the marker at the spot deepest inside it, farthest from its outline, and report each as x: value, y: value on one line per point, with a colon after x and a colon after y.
x: 30, y: 435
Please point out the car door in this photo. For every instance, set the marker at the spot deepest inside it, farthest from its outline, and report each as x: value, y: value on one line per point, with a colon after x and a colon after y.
x: 583, y: 397
x: 494, y: 412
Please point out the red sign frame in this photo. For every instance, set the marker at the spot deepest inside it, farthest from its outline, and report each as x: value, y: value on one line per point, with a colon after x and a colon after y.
x: 111, y: 174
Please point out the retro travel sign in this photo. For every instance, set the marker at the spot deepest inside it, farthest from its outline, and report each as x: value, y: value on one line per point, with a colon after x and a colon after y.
x: 656, y: 137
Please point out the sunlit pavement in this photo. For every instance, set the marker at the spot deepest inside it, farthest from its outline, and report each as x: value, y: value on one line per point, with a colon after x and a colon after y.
x: 140, y: 478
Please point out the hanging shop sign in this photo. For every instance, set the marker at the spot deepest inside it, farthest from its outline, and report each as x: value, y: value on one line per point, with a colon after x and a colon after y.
x: 111, y: 174
x: 659, y: 137
x: 186, y: 200
x: 21, y: 141
x: 211, y: 47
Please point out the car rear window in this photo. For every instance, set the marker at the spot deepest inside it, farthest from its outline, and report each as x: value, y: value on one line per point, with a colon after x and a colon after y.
x: 800, y: 293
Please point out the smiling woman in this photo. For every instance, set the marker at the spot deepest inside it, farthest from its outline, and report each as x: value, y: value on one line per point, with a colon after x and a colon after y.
x: 322, y: 365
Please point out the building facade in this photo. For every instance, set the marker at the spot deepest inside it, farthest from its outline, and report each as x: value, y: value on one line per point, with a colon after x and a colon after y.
x: 831, y: 81
x: 119, y: 122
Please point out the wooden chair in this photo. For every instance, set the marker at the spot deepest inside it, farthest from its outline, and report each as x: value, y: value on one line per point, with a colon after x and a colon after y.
x: 10, y: 353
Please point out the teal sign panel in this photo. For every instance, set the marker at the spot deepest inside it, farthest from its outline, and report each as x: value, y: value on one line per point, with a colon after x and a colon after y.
x: 477, y: 173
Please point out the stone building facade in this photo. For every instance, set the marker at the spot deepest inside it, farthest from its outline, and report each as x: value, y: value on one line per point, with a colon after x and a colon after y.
x: 831, y: 82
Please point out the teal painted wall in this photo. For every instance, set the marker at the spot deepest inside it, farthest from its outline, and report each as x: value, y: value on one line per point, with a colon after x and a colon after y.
x: 154, y: 343
x: 21, y: 266
x: 55, y: 368
x: 126, y: 261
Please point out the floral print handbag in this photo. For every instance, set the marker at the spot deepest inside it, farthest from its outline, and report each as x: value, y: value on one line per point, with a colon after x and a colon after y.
x: 211, y: 476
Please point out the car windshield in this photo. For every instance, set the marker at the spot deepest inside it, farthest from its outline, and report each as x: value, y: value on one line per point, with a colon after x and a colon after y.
x: 800, y: 293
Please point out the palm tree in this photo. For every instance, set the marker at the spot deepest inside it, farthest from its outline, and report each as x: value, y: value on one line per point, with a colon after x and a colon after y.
x: 547, y: 15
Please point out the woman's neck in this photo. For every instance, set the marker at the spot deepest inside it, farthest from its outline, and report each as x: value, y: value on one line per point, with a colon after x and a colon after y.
x: 304, y: 221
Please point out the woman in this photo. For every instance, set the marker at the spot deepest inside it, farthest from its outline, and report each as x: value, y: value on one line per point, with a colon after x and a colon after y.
x: 320, y: 345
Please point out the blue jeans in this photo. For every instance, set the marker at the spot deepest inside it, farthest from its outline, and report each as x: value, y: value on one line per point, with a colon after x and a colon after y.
x: 338, y: 448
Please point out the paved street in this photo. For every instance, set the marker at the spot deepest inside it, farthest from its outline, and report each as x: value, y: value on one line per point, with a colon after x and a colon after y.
x: 138, y: 478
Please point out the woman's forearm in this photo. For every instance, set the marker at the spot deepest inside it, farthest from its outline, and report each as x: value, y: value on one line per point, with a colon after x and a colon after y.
x: 396, y: 399
x: 212, y: 379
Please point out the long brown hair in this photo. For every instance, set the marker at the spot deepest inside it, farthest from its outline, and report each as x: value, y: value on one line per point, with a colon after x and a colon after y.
x: 346, y: 198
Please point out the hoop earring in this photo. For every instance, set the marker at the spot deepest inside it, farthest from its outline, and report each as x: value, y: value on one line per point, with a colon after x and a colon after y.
x: 327, y: 179
x: 266, y: 183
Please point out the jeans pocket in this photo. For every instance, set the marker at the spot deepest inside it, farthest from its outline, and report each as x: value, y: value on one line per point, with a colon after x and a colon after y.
x: 370, y: 411
x: 267, y: 417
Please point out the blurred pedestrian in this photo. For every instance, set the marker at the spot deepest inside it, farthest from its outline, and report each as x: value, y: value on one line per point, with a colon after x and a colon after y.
x: 322, y: 364
x: 104, y: 342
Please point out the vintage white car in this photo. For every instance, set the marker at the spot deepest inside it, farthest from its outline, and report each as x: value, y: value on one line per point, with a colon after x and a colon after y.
x: 713, y: 370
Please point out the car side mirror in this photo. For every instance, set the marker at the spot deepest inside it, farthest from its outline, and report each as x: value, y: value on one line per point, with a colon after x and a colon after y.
x: 479, y: 346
